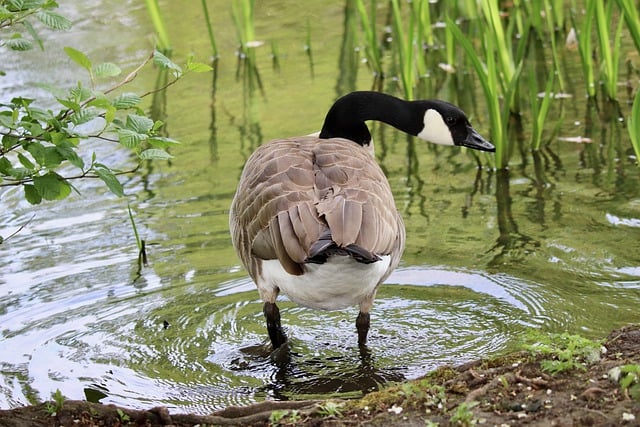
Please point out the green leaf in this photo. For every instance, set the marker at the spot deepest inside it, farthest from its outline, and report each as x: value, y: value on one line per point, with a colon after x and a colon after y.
x: 139, y: 124
x: 9, y: 141
x: 80, y: 93
x: 71, y: 105
x: 40, y: 114
x: 107, y: 176
x: 53, y: 20
x: 106, y: 69
x: 161, y: 142
x: 198, y: 67
x: 51, y: 186
x: 33, y: 33
x: 126, y: 100
x: 130, y: 138
x: 52, y: 157
x: 21, y: 173
x: 37, y: 151
x: 155, y: 154
x: 110, y: 114
x: 18, y: 43
x: 24, y: 161
x: 163, y: 62
x: 5, y: 166
x: 78, y: 57
x: 67, y: 152
x: 31, y: 194
x: 100, y: 102
x: 84, y: 116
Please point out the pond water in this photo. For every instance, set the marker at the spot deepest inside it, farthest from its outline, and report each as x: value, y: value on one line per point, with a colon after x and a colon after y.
x: 552, y: 244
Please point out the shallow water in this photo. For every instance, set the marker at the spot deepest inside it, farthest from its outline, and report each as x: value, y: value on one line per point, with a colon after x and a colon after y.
x: 552, y: 244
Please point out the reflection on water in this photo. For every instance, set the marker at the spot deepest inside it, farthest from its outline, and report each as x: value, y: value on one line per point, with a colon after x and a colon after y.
x: 551, y: 244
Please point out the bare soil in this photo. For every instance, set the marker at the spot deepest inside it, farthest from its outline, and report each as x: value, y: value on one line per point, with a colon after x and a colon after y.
x: 510, y: 390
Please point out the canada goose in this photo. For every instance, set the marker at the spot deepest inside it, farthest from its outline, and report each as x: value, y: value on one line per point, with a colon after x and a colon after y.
x: 314, y: 217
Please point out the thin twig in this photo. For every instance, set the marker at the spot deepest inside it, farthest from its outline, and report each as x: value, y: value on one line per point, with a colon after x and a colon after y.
x: 86, y: 174
x: 18, y: 230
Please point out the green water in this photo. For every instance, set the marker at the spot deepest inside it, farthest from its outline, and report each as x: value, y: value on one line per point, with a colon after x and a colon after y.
x: 553, y: 244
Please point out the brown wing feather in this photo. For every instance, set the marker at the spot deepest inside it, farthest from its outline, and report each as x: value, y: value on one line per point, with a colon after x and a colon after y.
x: 293, y: 191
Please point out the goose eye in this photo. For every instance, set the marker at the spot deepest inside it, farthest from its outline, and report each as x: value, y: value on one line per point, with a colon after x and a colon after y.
x: 450, y: 120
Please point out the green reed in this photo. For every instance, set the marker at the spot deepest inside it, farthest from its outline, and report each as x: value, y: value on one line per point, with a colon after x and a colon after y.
x: 490, y: 80
x: 372, y: 49
x: 404, y: 44
x: 633, y: 126
x: 610, y: 58
x: 212, y: 39
x: 632, y: 19
x: 539, y: 108
x: 243, y: 14
x: 497, y: 44
x: 583, y: 35
x: 244, y: 21
x: 153, y: 8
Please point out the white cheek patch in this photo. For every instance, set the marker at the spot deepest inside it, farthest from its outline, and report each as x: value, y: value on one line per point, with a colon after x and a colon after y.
x: 435, y: 129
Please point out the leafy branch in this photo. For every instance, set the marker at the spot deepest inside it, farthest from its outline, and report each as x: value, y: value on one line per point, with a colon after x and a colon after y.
x: 39, y: 145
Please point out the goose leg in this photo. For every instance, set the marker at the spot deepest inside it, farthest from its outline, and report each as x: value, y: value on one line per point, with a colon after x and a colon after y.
x: 362, y: 325
x: 276, y: 334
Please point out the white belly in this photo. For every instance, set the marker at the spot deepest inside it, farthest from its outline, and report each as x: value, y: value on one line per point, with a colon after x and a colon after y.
x: 338, y: 283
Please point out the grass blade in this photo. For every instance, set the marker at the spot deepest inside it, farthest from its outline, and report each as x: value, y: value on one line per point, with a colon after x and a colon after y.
x: 153, y: 8
x: 634, y: 126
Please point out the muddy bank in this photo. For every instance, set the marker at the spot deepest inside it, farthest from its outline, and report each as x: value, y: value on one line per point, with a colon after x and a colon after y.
x: 509, y: 390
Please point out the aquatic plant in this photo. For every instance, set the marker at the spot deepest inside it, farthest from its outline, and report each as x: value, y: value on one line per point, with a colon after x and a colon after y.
x: 539, y: 108
x: 372, y: 49
x: 609, y: 57
x: 583, y: 36
x: 632, y: 19
x: 634, y: 126
x: 243, y: 13
x: 212, y: 39
x: 153, y: 9
x: 494, y: 88
x: 404, y: 45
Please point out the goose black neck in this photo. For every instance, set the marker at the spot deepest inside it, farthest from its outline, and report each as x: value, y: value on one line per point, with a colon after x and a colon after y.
x: 346, y: 118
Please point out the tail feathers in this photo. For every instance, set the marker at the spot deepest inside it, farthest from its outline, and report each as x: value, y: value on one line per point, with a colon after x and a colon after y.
x: 324, y: 247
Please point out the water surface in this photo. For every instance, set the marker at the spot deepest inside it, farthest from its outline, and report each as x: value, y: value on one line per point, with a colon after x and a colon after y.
x: 552, y: 244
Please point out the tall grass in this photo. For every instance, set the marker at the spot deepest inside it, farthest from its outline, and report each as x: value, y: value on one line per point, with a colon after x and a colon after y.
x: 488, y: 77
x: 539, y: 108
x: 491, y: 40
x: 609, y: 57
x: 404, y: 44
x: 634, y: 126
x: 243, y: 14
x: 212, y: 39
x: 244, y: 21
x: 372, y: 49
x: 583, y: 34
x: 632, y: 19
x: 153, y: 8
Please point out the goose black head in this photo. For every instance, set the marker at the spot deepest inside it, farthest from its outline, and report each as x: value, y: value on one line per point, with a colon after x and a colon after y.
x: 444, y: 123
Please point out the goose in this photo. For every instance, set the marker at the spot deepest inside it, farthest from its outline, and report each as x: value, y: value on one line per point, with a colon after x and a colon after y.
x: 314, y: 218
